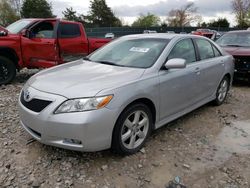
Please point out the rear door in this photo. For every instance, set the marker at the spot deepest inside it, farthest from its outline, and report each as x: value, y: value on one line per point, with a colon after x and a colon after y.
x: 39, y: 49
x: 72, y: 40
x: 178, y: 87
x: 212, y: 67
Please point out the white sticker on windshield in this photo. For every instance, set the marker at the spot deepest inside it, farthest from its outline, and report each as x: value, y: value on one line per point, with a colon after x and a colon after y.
x: 139, y: 49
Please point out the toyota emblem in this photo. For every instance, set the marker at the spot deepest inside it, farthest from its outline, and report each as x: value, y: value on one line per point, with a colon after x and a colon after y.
x: 26, y: 95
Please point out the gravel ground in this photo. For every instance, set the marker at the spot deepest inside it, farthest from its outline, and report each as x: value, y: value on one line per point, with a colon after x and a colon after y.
x: 208, y: 148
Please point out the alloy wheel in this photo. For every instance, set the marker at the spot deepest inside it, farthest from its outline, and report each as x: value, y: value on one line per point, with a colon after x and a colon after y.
x: 135, y: 129
x: 223, y: 89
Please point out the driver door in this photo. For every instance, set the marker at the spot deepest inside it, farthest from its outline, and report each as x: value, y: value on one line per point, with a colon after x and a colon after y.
x: 178, y: 87
x: 39, y: 48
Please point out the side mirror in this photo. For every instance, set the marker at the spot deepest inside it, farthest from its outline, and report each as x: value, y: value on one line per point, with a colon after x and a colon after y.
x: 3, y: 33
x: 176, y: 63
x: 25, y: 33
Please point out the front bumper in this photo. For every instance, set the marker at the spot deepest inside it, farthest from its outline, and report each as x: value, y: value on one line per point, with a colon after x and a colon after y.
x: 83, y: 131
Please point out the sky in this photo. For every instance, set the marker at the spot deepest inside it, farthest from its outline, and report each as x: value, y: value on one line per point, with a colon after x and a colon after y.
x: 128, y: 10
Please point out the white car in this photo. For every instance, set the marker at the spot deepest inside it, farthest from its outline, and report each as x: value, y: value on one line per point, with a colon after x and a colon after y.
x: 110, y: 36
x: 149, y: 31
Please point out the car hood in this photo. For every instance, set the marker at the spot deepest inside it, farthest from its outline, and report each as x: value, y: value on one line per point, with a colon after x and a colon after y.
x: 237, y: 51
x: 2, y: 28
x: 83, y: 78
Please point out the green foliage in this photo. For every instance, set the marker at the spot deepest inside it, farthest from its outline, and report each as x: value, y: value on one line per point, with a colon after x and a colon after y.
x: 36, y: 9
x: 148, y: 20
x: 8, y: 15
x: 70, y: 14
x: 203, y: 24
x: 221, y: 22
x: 100, y: 15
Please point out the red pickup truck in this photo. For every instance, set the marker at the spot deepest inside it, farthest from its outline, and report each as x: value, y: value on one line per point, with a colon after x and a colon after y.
x: 204, y: 32
x: 42, y: 43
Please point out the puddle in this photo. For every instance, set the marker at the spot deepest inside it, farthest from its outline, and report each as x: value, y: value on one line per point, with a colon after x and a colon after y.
x: 234, y: 139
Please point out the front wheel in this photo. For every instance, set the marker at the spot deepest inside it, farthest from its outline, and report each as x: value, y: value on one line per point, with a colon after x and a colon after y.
x: 132, y: 129
x: 7, y: 70
x: 222, y: 91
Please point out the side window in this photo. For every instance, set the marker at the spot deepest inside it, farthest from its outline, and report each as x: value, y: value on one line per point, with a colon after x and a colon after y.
x: 43, y: 30
x: 216, y: 51
x: 68, y: 30
x: 185, y: 50
x: 205, y: 49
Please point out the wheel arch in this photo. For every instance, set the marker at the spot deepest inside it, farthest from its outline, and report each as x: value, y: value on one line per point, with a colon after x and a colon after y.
x: 10, y: 54
x: 228, y: 76
x: 146, y: 101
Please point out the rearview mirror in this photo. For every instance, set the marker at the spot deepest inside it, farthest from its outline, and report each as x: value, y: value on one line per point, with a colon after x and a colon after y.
x: 176, y: 63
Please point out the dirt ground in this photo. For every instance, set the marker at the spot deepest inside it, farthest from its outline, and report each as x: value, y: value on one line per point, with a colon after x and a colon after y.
x: 208, y: 148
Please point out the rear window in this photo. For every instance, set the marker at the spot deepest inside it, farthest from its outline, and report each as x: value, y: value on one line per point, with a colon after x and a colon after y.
x: 205, y: 49
x: 67, y: 30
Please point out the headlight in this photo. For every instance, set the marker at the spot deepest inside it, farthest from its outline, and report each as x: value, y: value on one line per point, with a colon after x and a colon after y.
x: 84, y: 104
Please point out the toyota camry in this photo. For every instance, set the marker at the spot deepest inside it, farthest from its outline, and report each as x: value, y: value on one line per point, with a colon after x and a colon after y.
x: 115, y: 97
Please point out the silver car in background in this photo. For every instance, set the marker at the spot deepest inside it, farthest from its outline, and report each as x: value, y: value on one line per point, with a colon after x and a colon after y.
x: 116, y: 96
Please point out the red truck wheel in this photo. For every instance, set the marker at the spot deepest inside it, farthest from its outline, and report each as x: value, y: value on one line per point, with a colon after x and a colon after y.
x: 7, y: 70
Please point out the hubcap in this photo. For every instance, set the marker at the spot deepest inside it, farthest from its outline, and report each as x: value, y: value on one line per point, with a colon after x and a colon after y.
x: 135, y: 129
x: 3, y: 72
x: 222, y: 92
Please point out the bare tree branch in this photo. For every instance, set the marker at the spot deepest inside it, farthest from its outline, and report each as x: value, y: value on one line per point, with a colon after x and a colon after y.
x: 183, y: 16
x: 241, y: 10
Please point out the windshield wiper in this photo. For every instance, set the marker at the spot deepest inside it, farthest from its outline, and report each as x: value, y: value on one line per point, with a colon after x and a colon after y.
x: 109, y: 63
x: 234, y: 45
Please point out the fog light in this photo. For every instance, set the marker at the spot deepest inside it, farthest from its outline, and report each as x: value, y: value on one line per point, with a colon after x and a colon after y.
x: 72, y: 141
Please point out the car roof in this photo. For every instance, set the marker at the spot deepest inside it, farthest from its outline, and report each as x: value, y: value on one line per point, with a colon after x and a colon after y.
x: 49, y: 19
x: 239, y: 31
x: 169, y: 36
x: 152, y: 35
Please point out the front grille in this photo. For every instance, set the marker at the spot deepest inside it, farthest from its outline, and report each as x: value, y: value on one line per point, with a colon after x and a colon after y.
x: 242, y: 63
x: 36, y: 105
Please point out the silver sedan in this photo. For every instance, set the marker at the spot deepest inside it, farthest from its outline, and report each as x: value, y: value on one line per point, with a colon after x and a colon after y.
x: 117, y: 96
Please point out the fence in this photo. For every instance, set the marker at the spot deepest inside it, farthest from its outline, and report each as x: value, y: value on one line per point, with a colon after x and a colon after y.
x: 121, y: 31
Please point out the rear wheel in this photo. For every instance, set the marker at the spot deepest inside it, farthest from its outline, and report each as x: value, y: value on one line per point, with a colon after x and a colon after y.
x: 222, y: 91
x: 7, y: 70
x: 132, y: 129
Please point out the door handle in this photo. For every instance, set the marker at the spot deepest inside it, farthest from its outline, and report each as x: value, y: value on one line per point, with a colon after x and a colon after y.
x: 197, y: 70
x: 222, y: 63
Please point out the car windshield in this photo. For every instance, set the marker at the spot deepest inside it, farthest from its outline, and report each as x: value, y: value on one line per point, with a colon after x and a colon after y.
x: 18, y: 26
x: 138, y: 53
x: 235, y: 39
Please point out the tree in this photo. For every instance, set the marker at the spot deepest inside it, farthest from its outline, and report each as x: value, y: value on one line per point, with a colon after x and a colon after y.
x: 183, y: 16
x: 70, y: 14
x: 241, y: 10
x: 7, y: 13
x: 16, y: 4
x: 202, y: 24
x: 36, y: 9
x: 221, y: 22
x: 100, y: 15
x: 148, y: 20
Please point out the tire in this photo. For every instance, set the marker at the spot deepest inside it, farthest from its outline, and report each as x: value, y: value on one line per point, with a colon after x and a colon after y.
x: 7, y: 70
x: 134, y: 133
x: 222, y: 91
